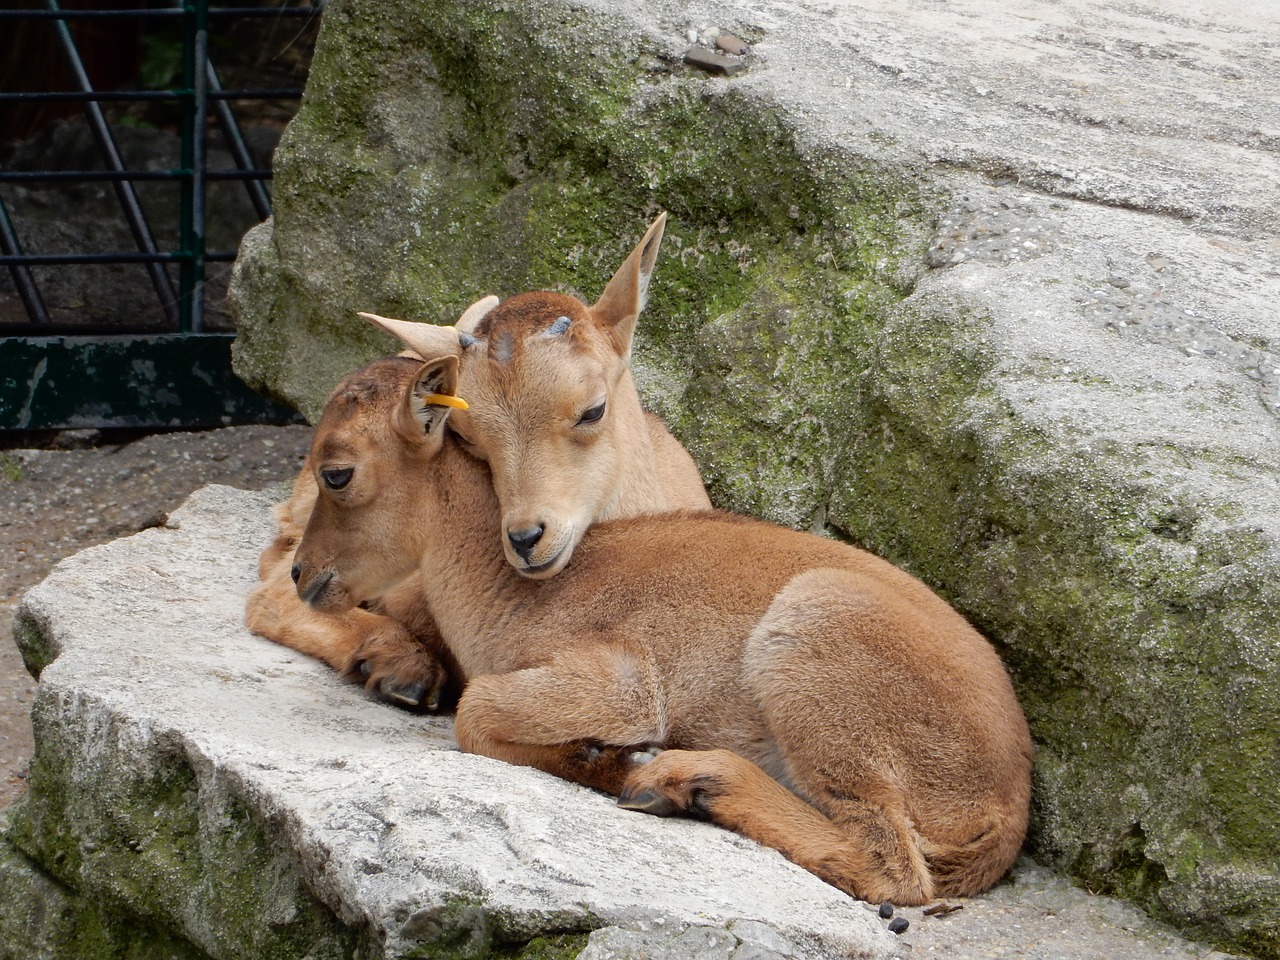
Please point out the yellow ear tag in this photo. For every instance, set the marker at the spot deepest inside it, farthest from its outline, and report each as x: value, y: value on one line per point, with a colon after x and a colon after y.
x: 444, y: 400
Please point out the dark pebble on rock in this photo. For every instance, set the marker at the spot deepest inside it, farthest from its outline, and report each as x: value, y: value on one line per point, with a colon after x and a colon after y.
x: 704, y: 59
x: 731, y: 44
x: 886, y: 910
x: 899, y: 925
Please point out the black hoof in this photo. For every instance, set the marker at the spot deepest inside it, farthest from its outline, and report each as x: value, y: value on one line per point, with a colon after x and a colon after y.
x: 700, y: 806
x: 648, y: 801
x: 409, y: 695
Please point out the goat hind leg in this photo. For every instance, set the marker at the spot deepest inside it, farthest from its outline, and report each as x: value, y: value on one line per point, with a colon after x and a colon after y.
x: 732, y: 792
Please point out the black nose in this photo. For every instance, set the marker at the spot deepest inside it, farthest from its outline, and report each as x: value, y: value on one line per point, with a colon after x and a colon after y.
x: 315, y: 587
x: 296, y: 572
x: 523, y: 541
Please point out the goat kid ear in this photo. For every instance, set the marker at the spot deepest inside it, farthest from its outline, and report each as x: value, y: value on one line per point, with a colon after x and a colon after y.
x: 624, y: 296
x: 431, y: 397
x: 422, y: 339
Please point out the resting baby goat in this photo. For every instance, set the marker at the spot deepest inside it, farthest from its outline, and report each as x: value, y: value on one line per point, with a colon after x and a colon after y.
x: 800, y: 691
x: 579, y: 448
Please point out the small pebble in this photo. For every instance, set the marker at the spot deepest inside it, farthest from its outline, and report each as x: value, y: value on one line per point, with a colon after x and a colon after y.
x: 713, y: 63
x: 886, y: 910
x: 899, y: 925
x: 731, y: 44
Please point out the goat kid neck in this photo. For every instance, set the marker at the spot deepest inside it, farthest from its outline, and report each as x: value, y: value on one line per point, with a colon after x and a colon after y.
x: 640, y: 490
x: 471, y: 590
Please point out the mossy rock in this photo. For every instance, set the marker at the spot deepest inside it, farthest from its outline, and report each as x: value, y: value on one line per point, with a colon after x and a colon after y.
x: 823, y: 377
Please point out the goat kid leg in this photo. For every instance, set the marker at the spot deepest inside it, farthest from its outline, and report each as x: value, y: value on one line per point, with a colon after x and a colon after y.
x: 731, y: 791
x: 396, y: 656
x: 376, y: 651
x: 591, y: 716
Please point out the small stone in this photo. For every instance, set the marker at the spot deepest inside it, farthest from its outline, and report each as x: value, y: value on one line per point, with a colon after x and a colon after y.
x: 731, y: 44
x: 899, y: 925
x: 886, y: 910
x: 704, y: 59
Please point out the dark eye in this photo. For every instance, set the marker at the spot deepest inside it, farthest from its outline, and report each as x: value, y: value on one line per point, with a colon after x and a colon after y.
x: 335, y: 478
x: 592, y: 415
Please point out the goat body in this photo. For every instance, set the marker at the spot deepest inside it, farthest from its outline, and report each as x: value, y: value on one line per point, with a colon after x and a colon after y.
x: 802, y: 692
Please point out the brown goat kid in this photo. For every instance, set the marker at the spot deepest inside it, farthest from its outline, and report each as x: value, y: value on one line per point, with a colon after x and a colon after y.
x: 804, y: 693
x: 583, y: 449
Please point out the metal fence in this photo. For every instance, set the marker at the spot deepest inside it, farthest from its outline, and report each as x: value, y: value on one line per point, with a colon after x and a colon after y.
x: 174, y: 372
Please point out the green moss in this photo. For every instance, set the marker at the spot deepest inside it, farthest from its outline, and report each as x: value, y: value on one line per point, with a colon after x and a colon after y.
x: 1144, y: 708
x: 158, y: 848
x: 778, y: 344
x: 463, y: 927
x: 538, y: 178
x: 44, y: 918
x: 37, y: 649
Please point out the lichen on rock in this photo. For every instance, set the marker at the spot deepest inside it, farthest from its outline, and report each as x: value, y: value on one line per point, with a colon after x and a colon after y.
x: 1096, y: 502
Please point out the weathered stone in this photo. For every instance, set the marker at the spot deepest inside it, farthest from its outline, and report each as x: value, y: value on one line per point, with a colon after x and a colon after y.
x: 712, y: 61
x: 201, y: 791
x: 878, y: 314
x: 731, y: 44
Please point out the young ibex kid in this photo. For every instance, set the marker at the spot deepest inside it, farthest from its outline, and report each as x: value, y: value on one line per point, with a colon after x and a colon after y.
x: 581, y: 449
x: 797, y: 690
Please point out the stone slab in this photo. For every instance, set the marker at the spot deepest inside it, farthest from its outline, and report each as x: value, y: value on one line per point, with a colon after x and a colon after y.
x: 404, y: 841
x: 406, y: 844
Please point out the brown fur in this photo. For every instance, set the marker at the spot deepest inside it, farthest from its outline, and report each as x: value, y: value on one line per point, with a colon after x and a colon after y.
x: 804, y: 693
x: 555, y: 473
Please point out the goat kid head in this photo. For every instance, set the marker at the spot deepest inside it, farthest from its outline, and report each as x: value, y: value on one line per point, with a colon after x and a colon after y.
x: 380, y: 431
x: 554, y: 410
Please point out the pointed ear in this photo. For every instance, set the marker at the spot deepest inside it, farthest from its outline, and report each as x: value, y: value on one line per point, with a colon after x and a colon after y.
x: 429, y: 398
x: 474, y: 314
x: 624, y: 296
x: 424, y: 339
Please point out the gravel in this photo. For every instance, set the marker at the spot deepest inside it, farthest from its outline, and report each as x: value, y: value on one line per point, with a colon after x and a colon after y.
x: 94, y: 487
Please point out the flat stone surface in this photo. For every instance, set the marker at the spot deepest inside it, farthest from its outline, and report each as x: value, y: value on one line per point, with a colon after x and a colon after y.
x: 389, y: 821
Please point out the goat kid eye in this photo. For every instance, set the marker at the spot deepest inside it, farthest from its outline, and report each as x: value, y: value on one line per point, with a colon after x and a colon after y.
x: 337, y: 479
x: 593, y: 415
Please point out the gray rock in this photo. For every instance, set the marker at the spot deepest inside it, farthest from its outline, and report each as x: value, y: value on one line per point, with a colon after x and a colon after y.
x: 199, y: 788
x: 987, y: 289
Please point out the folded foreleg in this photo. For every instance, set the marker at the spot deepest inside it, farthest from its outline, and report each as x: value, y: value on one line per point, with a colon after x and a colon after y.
x: 583, y: 717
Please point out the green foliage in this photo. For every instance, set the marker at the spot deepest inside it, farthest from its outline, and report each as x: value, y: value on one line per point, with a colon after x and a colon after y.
x: 10, y: 469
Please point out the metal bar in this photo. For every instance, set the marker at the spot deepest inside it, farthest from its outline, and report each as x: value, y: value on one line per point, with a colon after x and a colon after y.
x: 56, y: 259
x: 78, y: 176
x: 104, y: 95
x: 258, y: 195
x: 125, y: 193
x: 259, y: 93
x: 195, y: 71
x: 162, y: 12
x: 83, y: 259
x: 199, y: 187
x: 32, y: 301
x: 144, y: 380
x: 177, y: 93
